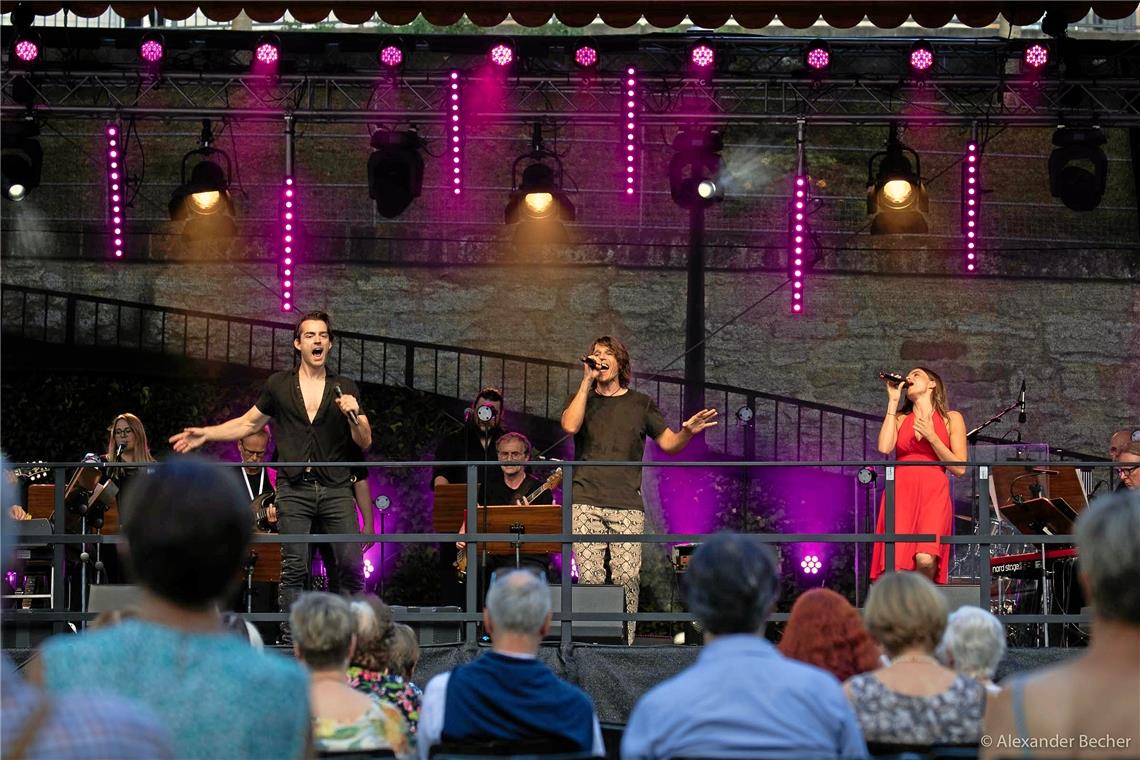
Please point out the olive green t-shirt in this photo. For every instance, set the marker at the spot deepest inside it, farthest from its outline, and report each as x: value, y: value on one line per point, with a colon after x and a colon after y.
x: 614, y: 429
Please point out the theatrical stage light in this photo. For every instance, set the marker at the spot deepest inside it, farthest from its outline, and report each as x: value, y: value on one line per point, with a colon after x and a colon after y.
x: 818, y: 56
x: 586, y: 56
x: 971, y: 204
x: 502, y: 53
x: 1036, y: 55
x: 799, y: 241
x: 395, y: 171
x: 455, y: 133
x: 538, y: 204
x: 631, y: 112
x: 896, y: 196
x: 151, y: 49
x: 811, y: 564
x: 1078, y: 168
x: 391, y: 55
x: 921, y: 57
x: 21, y: 159
x: 203, y: 199
x: 745, y: 415
x: 26, y: 49
x: 702, y: 55
x: 695, y: 168
x: 267, y: 50
x: 116, y: 188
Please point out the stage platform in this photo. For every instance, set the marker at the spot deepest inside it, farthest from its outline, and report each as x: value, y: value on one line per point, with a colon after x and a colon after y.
x: 616, y: 676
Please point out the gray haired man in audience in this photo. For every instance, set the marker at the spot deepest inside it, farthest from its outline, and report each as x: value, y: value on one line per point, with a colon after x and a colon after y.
x: 742, y: 698
x: 973, y: 644
x: 1088, y: 705
x: 508, y: 698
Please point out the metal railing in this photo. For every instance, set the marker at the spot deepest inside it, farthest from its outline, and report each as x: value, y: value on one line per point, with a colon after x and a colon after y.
x: 980, y: 473
x: 776, y: 427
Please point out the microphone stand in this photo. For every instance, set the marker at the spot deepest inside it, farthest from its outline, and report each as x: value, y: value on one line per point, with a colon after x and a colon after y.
x: 973, y: 434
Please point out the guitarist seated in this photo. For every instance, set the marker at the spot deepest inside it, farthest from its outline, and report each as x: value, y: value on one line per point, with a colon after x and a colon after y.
x: 516, y: 486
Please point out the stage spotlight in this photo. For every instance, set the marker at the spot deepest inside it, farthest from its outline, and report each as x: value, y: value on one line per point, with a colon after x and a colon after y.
x: 151, y: 49
x: 695, y: 168
x: 391, y: 55
x: 268, y: 50
x: 203, y: 199
x: 702, y: 55
x: 1036, y: 56
x: 502, y: 53
x: 921, y: 57
x: 811, y: 564
x: 21, y: 159
x: 744, y: 415
x: 26, y: 49
x: 866, y: 476
x: 1078, y: 168
x: 586, y: 56
x: 538, y: 205
x: 896, y: 196
x: 818, y: 56
x: 395, y: 171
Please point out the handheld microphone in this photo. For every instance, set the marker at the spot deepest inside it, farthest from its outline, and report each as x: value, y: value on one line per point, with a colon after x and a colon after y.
x: 589, y: 362
x: 119, y: 448
x: 351, y: 415
x: 1021, y: 403
x: 893, y: 377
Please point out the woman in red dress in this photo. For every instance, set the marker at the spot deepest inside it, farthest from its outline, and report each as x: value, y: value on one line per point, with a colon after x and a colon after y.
x: 928, y: 432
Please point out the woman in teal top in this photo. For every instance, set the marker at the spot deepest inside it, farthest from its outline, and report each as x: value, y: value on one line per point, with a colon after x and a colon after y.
x: 188, y: 534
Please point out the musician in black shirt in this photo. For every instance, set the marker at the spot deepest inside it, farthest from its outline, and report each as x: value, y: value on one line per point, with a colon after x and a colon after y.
x: 317, y: 418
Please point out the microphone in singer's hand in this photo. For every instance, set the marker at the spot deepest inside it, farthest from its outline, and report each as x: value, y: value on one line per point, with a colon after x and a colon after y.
x: 1021, y: 403
x: 893, y: 377
x: 119, y: 448
x: 351, y: 415
x: 589, y: 362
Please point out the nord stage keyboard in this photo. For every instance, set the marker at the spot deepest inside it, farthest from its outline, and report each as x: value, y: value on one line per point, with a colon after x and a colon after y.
x: 1028, y: 564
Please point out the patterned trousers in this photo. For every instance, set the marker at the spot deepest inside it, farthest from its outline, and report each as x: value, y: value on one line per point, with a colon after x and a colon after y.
x: 625, y: 558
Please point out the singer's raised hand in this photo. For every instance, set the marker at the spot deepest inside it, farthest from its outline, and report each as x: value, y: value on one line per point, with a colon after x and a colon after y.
x: 188, y: 440
x: 705, y: 418
x: 894, y: 391
x: 590, y: 374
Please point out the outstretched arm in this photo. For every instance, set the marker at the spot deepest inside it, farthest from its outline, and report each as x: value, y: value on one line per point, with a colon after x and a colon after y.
x: 231, y: 430
x: 671, y: 442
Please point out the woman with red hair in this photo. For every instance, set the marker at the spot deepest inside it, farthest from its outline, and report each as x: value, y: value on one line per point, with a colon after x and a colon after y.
x: 826, y: 631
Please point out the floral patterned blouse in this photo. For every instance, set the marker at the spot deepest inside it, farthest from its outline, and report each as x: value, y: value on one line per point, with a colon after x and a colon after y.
x: 888, y: 716
x: 389, y: 688
x: 381, y: 727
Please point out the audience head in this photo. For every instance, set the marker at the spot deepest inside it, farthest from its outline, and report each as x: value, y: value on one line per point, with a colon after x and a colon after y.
x: 731, y: 584
x: 1108, y: 540
x: 905, y: 611
x: 973, y: 644
x: 323, y: 630
x: 374, y: 631
x: 1129, y: 470
x: 826, y: 631
x: 518, y: 602
x: 405, y: 652
x: 188, y: 530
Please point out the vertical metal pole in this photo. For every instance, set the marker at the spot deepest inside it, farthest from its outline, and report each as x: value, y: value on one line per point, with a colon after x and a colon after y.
x: 694, y: 399
x: 567, y: 561
x: 472, y: 560
x: 986, y: 525
x: 58, y: 589
x: 290, y: 134
x: 889, y: 519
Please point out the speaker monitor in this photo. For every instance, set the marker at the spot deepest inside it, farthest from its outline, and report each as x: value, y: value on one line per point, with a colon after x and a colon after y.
x: 591, y: 598
x: 106, y: 597
x: 961, y: 595
x: 433, y: 633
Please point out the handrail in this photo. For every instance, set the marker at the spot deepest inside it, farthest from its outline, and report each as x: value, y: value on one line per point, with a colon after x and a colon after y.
x: 982, y: 473
x: 782, y: 428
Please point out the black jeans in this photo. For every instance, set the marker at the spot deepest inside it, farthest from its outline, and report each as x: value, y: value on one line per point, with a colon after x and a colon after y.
x: 299, y: 505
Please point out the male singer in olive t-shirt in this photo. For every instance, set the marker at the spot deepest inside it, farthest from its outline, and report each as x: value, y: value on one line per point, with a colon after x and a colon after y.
x: 610, y: 422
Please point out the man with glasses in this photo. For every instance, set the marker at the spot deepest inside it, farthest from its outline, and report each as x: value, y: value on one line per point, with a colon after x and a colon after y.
x: 1129, y: 469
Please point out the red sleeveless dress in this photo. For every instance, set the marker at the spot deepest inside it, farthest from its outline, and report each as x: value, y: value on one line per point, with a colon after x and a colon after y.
x: 922, y: 502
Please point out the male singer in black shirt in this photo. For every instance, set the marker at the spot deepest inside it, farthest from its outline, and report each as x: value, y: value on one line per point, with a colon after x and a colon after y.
x: 317, y: 418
